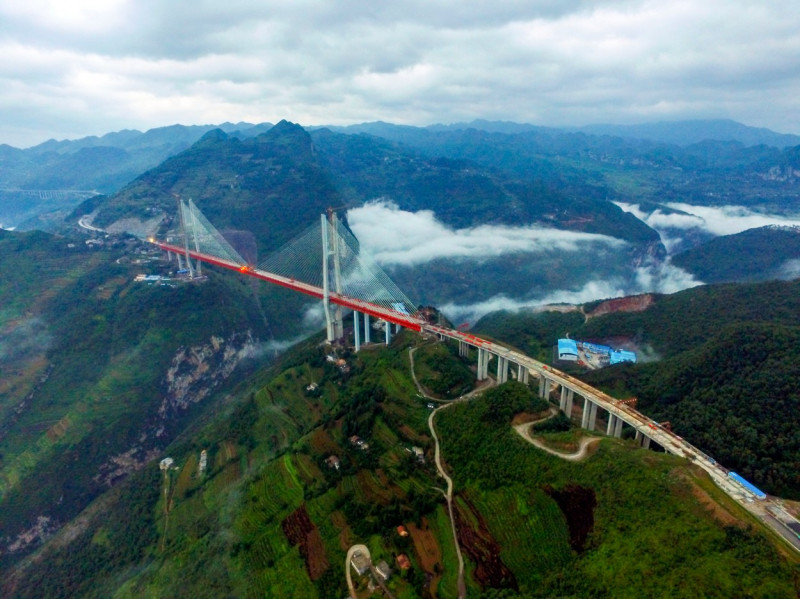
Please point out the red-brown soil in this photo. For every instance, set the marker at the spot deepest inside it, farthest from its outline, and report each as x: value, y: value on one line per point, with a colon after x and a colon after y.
x: 425, y: 544
x: 577, y: 504
x: 481, y: 547
x: 299, y: 530
x: 634, y: 303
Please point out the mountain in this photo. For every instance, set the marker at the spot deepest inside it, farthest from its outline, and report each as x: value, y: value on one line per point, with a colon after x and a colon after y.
x: 627, y: 168
x: 771, y: 252
x: 53, y: 177
x: 723, y: 361
x: 252, y: 503
x: 714, y: 168
x: 275, y: 185
x: 684, y: 133
x: 100, y: 371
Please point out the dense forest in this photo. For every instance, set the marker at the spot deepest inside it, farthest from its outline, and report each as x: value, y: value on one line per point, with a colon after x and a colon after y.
x: 725, y: 374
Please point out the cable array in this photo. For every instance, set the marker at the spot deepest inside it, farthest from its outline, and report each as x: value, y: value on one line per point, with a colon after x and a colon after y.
x: 359, y: 276
x: 202, y: 236
x: 301, y: 259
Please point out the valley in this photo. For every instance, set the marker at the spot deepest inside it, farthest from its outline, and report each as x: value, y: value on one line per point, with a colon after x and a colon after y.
x: 403, y: 445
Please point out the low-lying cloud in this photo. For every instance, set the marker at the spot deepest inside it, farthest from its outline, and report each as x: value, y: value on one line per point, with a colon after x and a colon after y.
x: 395, y: 237
x: 657, y: 278
x: 716, y: 220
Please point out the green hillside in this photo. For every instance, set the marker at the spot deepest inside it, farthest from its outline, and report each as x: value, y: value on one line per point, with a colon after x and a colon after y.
x: 753, y: 255
x: 726, y: 377
x: 100, y: 372
x: 269, y: 515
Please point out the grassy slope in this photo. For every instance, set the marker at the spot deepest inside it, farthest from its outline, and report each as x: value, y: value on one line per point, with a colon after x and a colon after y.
x: 266, y: 459
x: 727, y: 378
x: 651, y: 536
x: 109, y: 342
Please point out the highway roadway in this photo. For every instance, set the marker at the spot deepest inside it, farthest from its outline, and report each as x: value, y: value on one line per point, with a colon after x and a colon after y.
x: 671, y: 442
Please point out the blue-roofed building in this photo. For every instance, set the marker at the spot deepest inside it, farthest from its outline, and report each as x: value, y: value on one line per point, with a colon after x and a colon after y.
x: 595, y: 348
x: 622, y: 355
x: 567, y: 350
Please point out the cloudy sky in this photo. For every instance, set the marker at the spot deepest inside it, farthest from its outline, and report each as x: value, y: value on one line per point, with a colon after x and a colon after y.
x: 85, y: 67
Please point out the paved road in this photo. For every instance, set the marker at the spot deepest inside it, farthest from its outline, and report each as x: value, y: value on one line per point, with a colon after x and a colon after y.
x: 524, y: 431
x: 82, y: 223
x: 347, y: 567
x: 448, y: 494
x: 785, y: 533
x: 462, y: 588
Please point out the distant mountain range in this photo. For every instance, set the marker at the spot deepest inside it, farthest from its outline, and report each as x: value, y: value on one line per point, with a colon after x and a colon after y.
x: 54, y: 176
x: 684, y: 133
x: 102, y: 375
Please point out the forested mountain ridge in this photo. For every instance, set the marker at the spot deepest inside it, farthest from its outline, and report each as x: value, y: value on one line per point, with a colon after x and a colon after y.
x: 99, y: 371
x: 748, y: 167
x: 232, y: 180
x: 771, y: 252
x: 270, y: 514
x: 725, y: 375
x: 39, y: 186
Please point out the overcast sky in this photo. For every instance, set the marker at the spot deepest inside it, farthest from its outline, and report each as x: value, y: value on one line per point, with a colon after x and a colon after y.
x: 82, y: 67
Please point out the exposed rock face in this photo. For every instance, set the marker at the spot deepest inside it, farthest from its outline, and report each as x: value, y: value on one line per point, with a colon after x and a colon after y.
x: 196, y: 371
x: 634, y: 303
x: 193, y: 374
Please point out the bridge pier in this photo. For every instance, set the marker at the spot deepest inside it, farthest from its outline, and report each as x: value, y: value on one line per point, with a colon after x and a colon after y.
x: 544, y: 387
x: 612, y: 422
x: 587, y: 408
x: 483, y: 364
x: 357, y: 329
x: 388, y: 330
x: 592, y: 415
x: 646, y: 442
x: 463, y: 349
x: 522, y: 374
x: 502, y: 370
x: 618, y: 427
x: 565, y: 405
x: 366, y: 328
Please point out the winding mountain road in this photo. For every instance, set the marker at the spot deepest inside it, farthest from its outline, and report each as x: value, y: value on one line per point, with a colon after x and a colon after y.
x: 437, y: 453
x: 524, y: 431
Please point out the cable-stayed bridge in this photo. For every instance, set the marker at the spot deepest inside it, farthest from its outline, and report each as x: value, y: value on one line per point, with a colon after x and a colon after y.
x: 325, y: 262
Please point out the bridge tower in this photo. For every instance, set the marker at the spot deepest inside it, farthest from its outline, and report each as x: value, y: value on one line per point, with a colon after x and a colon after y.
x: 185, y: 238
x: 331, y: 253
x: 195, y: 227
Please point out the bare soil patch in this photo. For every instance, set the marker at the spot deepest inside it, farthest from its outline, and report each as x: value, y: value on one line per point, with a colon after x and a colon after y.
x: 577, y: 504
x: 299, y: 530
x: 636, y: 303
x: 425, y: 544
x: 482, y: 548
x: 709, y: 505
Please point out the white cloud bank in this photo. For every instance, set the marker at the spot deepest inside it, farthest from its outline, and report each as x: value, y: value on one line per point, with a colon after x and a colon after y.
x: 395, y: 237
x: 660, y: 278
x: 716, y: 220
